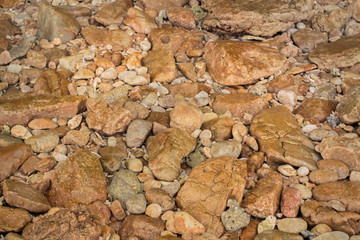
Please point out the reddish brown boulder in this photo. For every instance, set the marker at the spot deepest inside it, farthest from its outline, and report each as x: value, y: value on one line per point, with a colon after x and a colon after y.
x: 13, y: 219
x: 141, y: 226
x: 316, y: 110
x: 290, y: 202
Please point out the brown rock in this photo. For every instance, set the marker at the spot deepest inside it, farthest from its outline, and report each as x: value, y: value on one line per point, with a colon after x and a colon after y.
x: 12, y: 157
x: 51, y: 82
x: 355, y: 10
x: 140, y: 21
x: 19, y: 194
x: 42, y: 123
x: 322, y: 176
x: 187, y: 89
x: 161, y: 197
x: 45, y: 164
x: 6, y: 25
x: 186, y: 117
x: 182, y: 17
x: 277, y: 234
x: 29, y: 165
x: 137, y: 132
x: 35, y: 59
x: 316, y: 110
x: 141, y: 226
x: 113, y: 13
x: 162, y: 118
x: 255, y: 161
x: 290, y: 202
x: 14, y: 4
x: 330, y: 21
x: 9, y: 77
x: 344, y: 149
x: 100, y: 212
x: 307, y: 40
x: 13, y: 219
x: 76, y: 137
x: 162, y: 4
x: 281, y: 138
x: 45, y: 142
x: 344, y: 52
x: 337, y: 166
x: 161, y: 65
x: 204, y: 197
x: 264, y: 199
x: 288, y: 82
x: 239, y: 63
x: 166, y: 149
x: 250, y: 231
x: 117, y: 210
x: 348, y: 110
x: 138, y: 110
x: 7, y: 140
x: 79, y: 179
x: 221, y: 128
x: 188, y: 69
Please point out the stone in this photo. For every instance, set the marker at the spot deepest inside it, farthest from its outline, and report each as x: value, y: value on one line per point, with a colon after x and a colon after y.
x: 261, y: 18
x: 12, y: 4
x: 205, y: 198
x: 320, y: 229
x: 268, y: 224
x: 307, y: 39
x: 9, y: 77
x: 264, y: 199
x: 184, y: 224
x: 141, y: 226
x: 162, y: 4
x: 187, y: 89
x: 136, y: 204
x: 78, y: 179
x: 13, y: 219
x: 166, y: 149
x: 250, y: 231
x: 44, y: 142
x: 287, y: 97
x: 318, y: 134
x: 343, y: 149
x: 137, y: 109
x: 153, y: 210
x: 231, y: 148
x: 355, y: 10
x: 323, y: 176
x: 336, y: 235
x: 71, y: 63
x: 235, y: 217
x: 348, y: 110
x: 42, y: 123
x: 292, y: 225
x: 161, y: 197
x: 182, y: 17
x: 277, y: 234
x: 288, y: 81
x: 290, y: 201
x: 5, y: 57
x: 35, y: 59
x: 137, y: 132
x: 340, y: 54
x: 161, y: 65
x: 186, y: 117
x: 258, y: 60
x: 23, y: 109
x: 281, y: 138
x: 84, y: 73
x: 12, y: 157
x: 316, y: 110
x: 117, y: 210
x: 239, y: 104
x: 113, y: 13
x: 332, y: 21
x: 287, y: 170
x: 55, y: 23
x: 221, y: 128
x: 337, y: 166
x: 140, y: 21
x: 76, y: 137
x: 107, y: 118
x: 305, y: 191
x: 22, y: 47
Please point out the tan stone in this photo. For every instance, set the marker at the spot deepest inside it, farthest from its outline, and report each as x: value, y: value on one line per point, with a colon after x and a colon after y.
x: 186, y: 117
x: 307, y: 39
x: 140, y: 21
x: 337, y: 166
x: 348, y: 110
x: 163, y: 4
x: 316, y: 110
x: 161, y: 65
x: 161, y: 197
x: 277, y: 234
x: 288, y: 81
x: 42, y: 123
x: 187, y: 89
x: 15, y: 4
x: 182, y: 17
x: 113, y: 13
x: 13, y: 219
x: 142, y: 227
x: 184, y: 224
x: 323, y: 176
x: 51, y: 82
x: 221, y: 128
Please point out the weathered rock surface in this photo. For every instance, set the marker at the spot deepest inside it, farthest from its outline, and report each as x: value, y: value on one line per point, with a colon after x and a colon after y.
x: 316, y: 110
x: 281, y: 138
x: 277, y: 234
x: 44, y: 142
x: 137, y: 132
x: 348, y: 110
x: 12, y: 157
x: 113, y: 13
x: 204, y: 195
x: 140, y: 21
x: 141, y: 226
x: 162, y: 4
x: 51, y: 82
x: 13, y: 219
x: 183, y: 223
x: 186, y: 117
x: 79, y: 179
x: 161, y: 65
x: 239, y: 63
x: 307, y: 40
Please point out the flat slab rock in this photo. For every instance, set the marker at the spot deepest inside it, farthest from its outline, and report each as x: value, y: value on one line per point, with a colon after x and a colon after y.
x: 281, y: 138
x: 142, y: 227
x: 13, y: 219
x: 239, y: 63
x: 259, y: 18
x: 204, y: 195
x: 348, y: 110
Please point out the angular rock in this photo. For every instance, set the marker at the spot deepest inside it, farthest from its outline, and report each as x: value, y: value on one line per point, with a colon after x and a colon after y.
x: 78, y: 179
x: 161, y: 65
x: 355, y: 10
x: 348, y: 110
x: 22, y: 47
x: 235, y: 217
x: 15, y: 4
x: 330, y: 21
x: 290, y: 201
x: 240, y: 63
x: 137, y: 132
x: 166, y: 149
x: 186, y: 117
x: 141, y: 226
x: 288, y: 82
x: 187, y: 89
x: 76, y: 137
x: 161, y: 197
x: 140, y: 21
x: 13, y: 219
x: 342, y: 53
x: 51, y: 82
x: 316, y: 110
x: 24, y: 109
x: 277, y: 234
x: 162, y: 4
x: 221, y: 128
x: 44, y: 142
x: 204, y: 195
x: 183, y: 223
x: 12, y: 157
x: 7, y: 140
x: 113, y: 13
x: 281, y: 138
x: 307, y: 39
x: 182, y: 17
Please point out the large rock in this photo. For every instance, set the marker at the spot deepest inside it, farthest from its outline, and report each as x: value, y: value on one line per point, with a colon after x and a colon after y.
x: 22, y: 195
x: 260, y: 18
x: 348, y: 110
x: 166, y: 149
x: 56, y: 23
x: 281, y: 138
x: 23, y: 109
x: 12, y: 157
x: 51, y: 82
x: 13, y: 219
x: 140, y: 21
x: 141, y: 226
x: 316, y: 110
x: 161, y: 65
x: 204, y: 195
x: 113, y: 13
x: 239, y: 104
x: 264, y: 199
x: 79, y: 179
x: 342, y: 53
x: 344, y: 149
x: 239, y: 63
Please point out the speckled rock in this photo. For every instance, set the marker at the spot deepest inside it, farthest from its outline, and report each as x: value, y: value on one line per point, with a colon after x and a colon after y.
x: 161, y: 65
x: 13, y: 219
x: 113, y: 13
x: 292, y: 225
x: 183, y: 223
x: 235, y: 217
x: 316, y: 110
x: 141, y: 226
x: 290, y: 201
x: 348, y: 109
x: 337, y: 166
x: 44, y: 142
x: 276, y: 234
x: 336, y: 235
x: 307, y: 39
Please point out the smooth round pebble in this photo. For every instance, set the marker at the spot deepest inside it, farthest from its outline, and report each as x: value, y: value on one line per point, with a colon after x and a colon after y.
x: 292, y: 225
x: 287, y: 170
x: 134, y: 164
x: 153, y: 210
x: 320, y: 229
x: 303, y: 171
x: 335, y: 235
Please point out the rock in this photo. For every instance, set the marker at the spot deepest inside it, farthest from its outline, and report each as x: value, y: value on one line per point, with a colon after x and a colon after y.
x: 13, y: 219
x: 161, y: 65
x: 318, y: 134
x: 343, y: 149
x: 355, y: 10
x: 182, y: 17
x: 141, y: 226
x: 305, y: 191
x: 250, y: 231
x: 221, y: 128
x: 348, y: 110
x: 331, y: 21
x: 44, y: 142
x: 7, y: 140
x: 12, y: 157
x: 264, y: 199
x: 290, y: 201
x: 341, y: 53
x: 55, y: 23
x: 307, y: 39
x: 287, y: 170
x: 276, y: 234
x: 62, y: 223
x: 162, y: 4
x: 107, y: 118
x: 205, y: 198
x: 137, y: 109
x: 137, y: 132
x: 117, y: 210
x: 140, y: 21
x: 287, y: 97
x: 76, y: 137
x: 71, y: 63
x: 187, y: 89
x: 336, y: 235
x: 183, y: 223
x: 84, y: 73
x: 9, y: 77
x: 292, y: 225
x: 261, y: 18
x: 288, y: 82
x: 42, y: 123
x: 78, y: 179
x: 161, y: 197
x: 320, y: 229
x: 5, y: 57
x: 12, y: 4
x: 239, y: 104
x: 337, y: 166
x: 235, y: 217
x: 136, y: 204
x: 166, y: 149
x: 316, y: 110
x: 268, y: 224
x: 323, y: 176
x: 223, y: 59
x: 276, y: 130
x: 35, y: 59
x: 22, y: 47
x: 186, y: 117
x: 231, y: 148
x: 113, y: 13
x: 24, y: 109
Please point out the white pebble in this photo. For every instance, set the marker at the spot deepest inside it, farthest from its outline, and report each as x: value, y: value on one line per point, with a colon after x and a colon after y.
x: 303, y: 171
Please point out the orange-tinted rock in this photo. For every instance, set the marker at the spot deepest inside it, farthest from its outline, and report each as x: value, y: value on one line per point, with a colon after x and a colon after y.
x: 141, y: 226
x: 204, y: 195
x: 13, y: 219
x: 288, y: 82
x: 307, y: 39
x: 184, y: 224
x: 14, y: 4
x: 221, y: 128
x: 186, y: 117
x: 323, y: 176
x: 161, y: 65
x: 161, y: 197
x: 250, y: 231
x: 42, y: 123
x: 182, y: 17
x: 140, y: 21
x: 187, y: 89
x: 316, y: 110
x: 162, y: 4
x: 348, y: 110
x: 337, y: 166
x: 239, y: 63
x: 113, y: 13
x: 51, y: 82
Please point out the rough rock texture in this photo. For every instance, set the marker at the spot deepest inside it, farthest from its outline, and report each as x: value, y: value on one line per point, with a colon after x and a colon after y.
x: 13, y: 219
x: 141, y: 226
x: 288, y: 82
x: 161, y: 64
x: 239, y: 63
x: 316, y: 110
x: 113, y: 13
x: 348, y: 109
x: 221, y: 128
x: 264, y: 199
x: 140, y: 21
x: 186, y: 117
x: 182, y: 17
x: 52, y: 82
x: 277, y: 234
x: 281, y: 138
x: 183, y: 223
x: 344, y: 149
x: 22, y: 110
x: 345, y: 52
x: 163, y: 4
x: 290, y: 201
x: 204, y: 195
x: 137, y: 132
x: 259, y: 18
x: 79, y: 179
x: 307, y: 40
x: 12, y: 157
x: 15, y: 4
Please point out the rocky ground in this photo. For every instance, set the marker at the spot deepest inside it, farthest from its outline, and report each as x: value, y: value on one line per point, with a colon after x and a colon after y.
x: 177, y: 119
